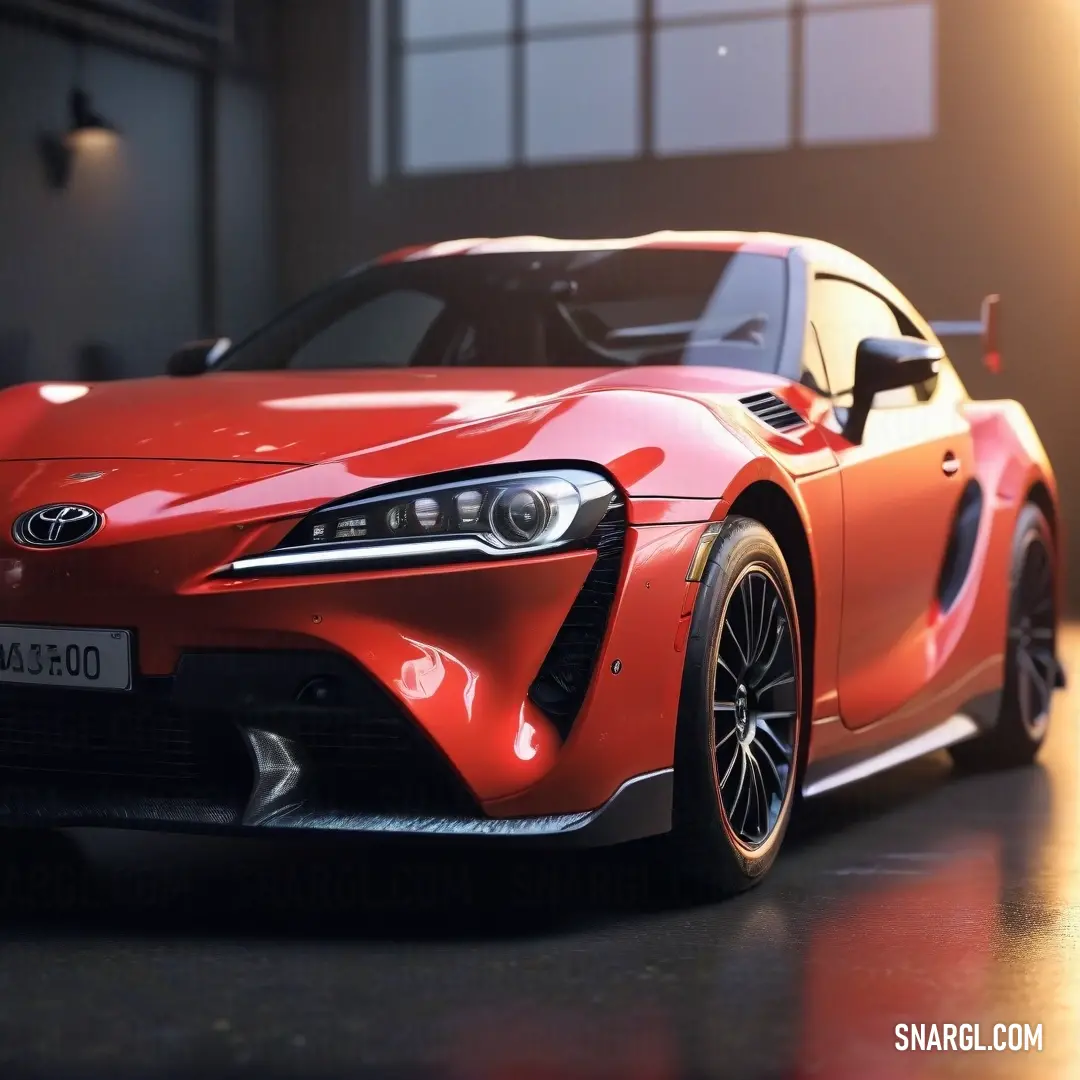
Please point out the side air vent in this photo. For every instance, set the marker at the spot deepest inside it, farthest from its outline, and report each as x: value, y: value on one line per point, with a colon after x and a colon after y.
x: 771, y: 410
x: 563, y: 681
x: 961, y: 547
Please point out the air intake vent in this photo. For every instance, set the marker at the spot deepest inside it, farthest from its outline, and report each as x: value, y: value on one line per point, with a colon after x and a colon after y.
x: 771, y: 410
x: 560, y: 687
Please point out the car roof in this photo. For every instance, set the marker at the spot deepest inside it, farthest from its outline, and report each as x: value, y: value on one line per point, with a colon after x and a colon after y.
x: 824, y: 257
x: 765, y: 243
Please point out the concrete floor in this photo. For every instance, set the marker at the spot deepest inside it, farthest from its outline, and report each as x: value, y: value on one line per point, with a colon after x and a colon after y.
x: 919, y: 897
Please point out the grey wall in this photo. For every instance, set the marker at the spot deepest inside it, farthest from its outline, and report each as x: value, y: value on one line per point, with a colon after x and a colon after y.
x: 116, y: 257
x: 247, y: 252
x: 322, y: 166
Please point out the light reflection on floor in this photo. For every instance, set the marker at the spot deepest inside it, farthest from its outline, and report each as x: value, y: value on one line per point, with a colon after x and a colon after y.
x: 981, y: 927
x: 920, y: 897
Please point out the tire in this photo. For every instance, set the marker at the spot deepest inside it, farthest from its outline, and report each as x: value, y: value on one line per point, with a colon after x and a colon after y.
x: 1030, y: 654
x: 746, y: 696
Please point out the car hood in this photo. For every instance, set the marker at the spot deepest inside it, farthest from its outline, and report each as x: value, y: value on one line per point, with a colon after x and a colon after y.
x: 303, y: 418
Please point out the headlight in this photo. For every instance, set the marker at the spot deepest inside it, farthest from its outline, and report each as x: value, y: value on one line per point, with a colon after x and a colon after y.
x: 489, y: 518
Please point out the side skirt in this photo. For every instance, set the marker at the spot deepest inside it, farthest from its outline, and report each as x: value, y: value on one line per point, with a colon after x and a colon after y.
x: 977, y: 716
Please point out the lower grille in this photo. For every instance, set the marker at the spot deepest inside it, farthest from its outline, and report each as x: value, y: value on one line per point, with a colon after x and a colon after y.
x: 371, y: 763
x: 131, y: 744
x: 366, y: 755
x: 183, y: 738
x: 564, y: 678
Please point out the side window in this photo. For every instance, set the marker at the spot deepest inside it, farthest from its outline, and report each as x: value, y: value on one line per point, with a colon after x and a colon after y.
x: 843, y: 315
x: 813, y: 364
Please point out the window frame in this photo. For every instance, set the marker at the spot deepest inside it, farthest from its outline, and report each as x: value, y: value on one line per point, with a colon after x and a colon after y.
x: 812, y: 345
x: 906, y: 324
x: 388, y: 98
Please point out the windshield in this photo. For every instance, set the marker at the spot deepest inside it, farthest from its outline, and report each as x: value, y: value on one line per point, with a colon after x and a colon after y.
x: 543, y: 309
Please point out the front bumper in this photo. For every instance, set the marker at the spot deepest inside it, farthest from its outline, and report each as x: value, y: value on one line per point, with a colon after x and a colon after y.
x: 223, y: 745
x: 438, y: 731
x: 167, y: 757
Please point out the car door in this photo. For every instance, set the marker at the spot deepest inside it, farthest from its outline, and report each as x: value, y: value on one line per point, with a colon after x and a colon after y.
x: 901, y: 488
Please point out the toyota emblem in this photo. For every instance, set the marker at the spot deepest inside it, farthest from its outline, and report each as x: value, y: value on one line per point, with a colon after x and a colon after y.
x: 58, y: 525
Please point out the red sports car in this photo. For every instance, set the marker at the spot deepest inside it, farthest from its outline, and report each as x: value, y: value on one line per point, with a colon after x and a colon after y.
x: 566, y: 540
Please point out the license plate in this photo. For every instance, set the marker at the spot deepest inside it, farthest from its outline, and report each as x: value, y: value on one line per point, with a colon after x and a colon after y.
x: 51, y: 656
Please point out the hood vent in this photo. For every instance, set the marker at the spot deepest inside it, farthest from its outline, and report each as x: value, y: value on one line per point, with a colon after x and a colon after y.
x: 775, y: 412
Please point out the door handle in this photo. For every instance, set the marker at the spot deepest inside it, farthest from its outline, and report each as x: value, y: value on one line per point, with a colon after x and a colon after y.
x: 951, y: 465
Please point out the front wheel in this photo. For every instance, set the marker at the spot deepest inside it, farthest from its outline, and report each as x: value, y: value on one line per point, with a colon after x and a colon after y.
x: 740, y: 732
x: 1031, y: 667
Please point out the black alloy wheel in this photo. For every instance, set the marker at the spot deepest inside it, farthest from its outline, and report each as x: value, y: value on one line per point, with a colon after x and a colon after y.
x: 1030, y: 655
x: 754, y: 707
x: 1031, y: 664
x: 739, y: 745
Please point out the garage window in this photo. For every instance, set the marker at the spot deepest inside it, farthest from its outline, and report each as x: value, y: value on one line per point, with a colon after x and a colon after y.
x: 870, y: 73
x: 496, y: 84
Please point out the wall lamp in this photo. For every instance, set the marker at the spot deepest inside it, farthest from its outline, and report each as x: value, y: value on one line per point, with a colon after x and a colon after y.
x: 88, y: 130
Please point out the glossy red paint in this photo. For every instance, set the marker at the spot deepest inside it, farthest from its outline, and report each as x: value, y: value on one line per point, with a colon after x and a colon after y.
x: 674, y: 511
x: 627, y: 726
x: 899, y: 512
x: 374, y: 426
x: 758, y: 243
x: 450, y: 643
x: 198, y: 472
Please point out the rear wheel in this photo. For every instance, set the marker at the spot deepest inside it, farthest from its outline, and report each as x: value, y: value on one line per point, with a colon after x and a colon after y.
x: 1030, y: 654
x: 740, y: 732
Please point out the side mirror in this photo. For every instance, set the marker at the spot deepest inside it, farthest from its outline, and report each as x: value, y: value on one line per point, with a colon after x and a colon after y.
x: 196, y: 357
x: 887, y: 364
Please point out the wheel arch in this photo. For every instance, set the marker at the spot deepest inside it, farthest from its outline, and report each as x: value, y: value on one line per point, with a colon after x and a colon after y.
x: 768, y: 503
x: 1039, y: 494
x: 1012, y: 460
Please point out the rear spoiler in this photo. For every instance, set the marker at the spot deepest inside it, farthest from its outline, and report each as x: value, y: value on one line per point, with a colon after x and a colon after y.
x: 987, y: 329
